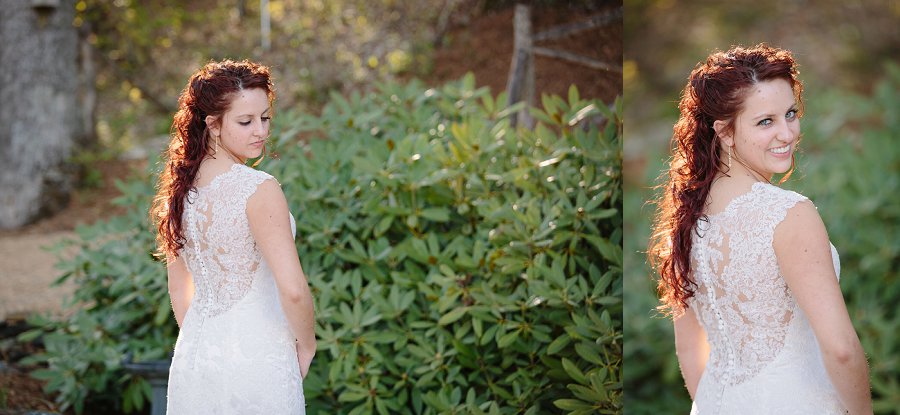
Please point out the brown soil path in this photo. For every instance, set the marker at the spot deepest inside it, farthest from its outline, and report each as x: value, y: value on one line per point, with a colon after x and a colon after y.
x: 26, y: 273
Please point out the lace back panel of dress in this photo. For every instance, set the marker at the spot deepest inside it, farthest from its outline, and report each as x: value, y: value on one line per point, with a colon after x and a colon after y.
x: 218, y: 239
x: 741, y: 298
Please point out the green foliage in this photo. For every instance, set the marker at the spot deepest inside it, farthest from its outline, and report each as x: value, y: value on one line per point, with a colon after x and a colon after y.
x: 458, y: 264
x: 653, y: 384
x: 120, y: 306
x: 86, y: 161
x: 849, y: 167
x: 856, y: 188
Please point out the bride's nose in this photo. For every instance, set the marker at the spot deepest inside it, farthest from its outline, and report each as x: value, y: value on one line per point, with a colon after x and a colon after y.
x: 784, y: 133
x: 260, y: 130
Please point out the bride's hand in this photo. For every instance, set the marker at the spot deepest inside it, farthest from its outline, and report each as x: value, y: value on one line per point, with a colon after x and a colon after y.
x: 303, y: 360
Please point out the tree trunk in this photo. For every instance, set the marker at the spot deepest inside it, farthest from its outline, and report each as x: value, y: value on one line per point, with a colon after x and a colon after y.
x: 40, y: 118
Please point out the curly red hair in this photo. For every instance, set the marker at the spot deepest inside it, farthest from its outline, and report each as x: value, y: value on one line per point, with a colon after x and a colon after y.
x: 715, y: 90
x: 209, y: 91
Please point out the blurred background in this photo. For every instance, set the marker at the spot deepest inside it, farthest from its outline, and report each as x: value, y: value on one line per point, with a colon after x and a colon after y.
x: 849, y: 163
x: 87, y: 93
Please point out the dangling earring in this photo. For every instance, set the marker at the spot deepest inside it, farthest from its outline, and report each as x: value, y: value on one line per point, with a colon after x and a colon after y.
x: 729, y: 158
x: 217, y: 145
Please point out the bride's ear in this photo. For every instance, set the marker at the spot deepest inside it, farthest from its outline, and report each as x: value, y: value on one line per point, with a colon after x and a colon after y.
x: 725, y: 134
x: 212, y: 123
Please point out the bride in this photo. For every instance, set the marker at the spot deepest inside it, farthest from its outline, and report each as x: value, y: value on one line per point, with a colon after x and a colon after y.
x: 746, y: 268
x: 240, y: 297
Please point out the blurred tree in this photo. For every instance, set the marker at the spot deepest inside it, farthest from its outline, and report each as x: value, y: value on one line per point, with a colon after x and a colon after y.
x: 146, y: 50
x: 41, y: 121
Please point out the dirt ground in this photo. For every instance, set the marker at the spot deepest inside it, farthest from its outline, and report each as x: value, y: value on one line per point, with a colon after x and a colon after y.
x: 26, y: 272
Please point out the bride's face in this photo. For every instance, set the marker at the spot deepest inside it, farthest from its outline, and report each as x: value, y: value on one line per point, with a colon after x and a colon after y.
x: 767, y: 129
x: 244, y: 127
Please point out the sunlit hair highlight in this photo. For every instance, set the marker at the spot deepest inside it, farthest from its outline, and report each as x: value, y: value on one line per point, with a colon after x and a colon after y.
x: 716, y: 90
x: 210, y: 91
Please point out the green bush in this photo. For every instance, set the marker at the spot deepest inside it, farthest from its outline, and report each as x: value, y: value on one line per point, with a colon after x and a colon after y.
x: 120, y: 306
x: 849, y: 166
x: 458, y: 265
x: 854, y: 179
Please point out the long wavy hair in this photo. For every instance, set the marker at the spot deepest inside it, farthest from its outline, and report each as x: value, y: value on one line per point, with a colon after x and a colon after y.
x: 209, y: 91
x: 716, y: 90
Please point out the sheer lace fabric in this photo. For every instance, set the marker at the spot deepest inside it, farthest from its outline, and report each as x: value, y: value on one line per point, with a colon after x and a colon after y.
x: 764, y: 357
x: 235, y: 352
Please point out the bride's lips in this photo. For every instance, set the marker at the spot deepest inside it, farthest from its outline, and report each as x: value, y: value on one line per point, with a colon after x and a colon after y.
x: 258, y: 143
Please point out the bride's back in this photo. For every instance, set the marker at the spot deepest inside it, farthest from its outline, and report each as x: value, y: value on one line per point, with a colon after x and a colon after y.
x: 741, y: 299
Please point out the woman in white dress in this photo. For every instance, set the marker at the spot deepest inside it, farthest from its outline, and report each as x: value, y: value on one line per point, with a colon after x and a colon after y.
x: 746, y: 268
x: 240, y: 297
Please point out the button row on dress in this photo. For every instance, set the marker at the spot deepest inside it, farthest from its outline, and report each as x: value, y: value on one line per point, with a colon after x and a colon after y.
x: 704, y: 272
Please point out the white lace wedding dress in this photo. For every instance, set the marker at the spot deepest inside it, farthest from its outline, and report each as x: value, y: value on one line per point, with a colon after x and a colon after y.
x: 764, y: 358
x: 235, y: 353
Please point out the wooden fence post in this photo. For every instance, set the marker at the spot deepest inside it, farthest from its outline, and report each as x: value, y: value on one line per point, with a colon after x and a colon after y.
x: 520, y: 82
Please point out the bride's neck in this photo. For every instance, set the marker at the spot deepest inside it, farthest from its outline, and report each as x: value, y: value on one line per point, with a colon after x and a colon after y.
x: 739, y: 167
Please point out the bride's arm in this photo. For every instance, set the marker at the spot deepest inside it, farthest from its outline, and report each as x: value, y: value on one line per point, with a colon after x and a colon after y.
x: 181, y: 287
x: 269, y: 218
x: 804, y: 257
x: 691, y: 348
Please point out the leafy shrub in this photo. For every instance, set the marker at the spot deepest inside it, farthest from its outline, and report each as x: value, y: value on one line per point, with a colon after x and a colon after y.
x: 120, y: 306
x: 849, y: 167
x: 653, y: 383
x: 855, y: 181
x: 458, y: 265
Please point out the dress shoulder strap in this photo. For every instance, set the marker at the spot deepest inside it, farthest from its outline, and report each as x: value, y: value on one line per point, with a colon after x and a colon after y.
x: 767, y: 205
x: 247, y: 179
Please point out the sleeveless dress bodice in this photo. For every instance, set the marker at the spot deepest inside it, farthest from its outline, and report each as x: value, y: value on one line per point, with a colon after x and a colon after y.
x: 764, y: 357
x: 235, y: 353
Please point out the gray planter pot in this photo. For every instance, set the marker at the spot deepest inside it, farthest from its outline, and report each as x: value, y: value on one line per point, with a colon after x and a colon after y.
x: 157, y: 373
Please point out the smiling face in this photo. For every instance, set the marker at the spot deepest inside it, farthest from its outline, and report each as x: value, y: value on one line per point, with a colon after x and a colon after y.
x: 244, y: 127
x: 766, y: 130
